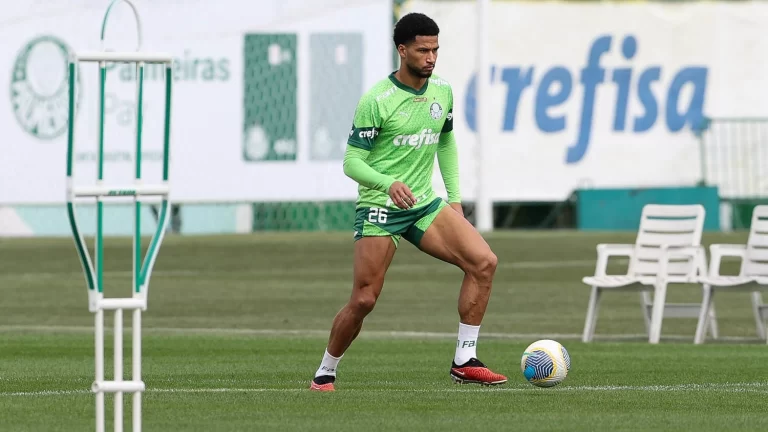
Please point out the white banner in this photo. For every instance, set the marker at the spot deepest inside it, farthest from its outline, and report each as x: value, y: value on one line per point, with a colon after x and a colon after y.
x: 582, y: 95
x: 598, y: 95
x: 263, y: 97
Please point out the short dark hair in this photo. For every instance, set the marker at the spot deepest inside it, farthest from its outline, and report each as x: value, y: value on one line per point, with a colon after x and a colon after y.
x: 412, y: 25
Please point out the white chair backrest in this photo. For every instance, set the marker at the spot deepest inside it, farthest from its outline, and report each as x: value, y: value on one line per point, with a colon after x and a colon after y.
x: 671, y: 225
x: 756, y: 263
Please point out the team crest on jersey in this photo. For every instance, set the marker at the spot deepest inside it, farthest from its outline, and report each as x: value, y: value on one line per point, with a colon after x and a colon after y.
x: 435, y: 110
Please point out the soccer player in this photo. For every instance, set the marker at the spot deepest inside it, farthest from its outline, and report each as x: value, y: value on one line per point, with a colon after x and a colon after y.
x: 399, y: 125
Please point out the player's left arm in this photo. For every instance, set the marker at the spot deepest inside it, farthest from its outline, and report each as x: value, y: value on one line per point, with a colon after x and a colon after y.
x: 448, y: 161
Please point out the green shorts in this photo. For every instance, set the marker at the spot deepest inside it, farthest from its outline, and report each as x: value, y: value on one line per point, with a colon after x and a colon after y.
x: 410, y: 224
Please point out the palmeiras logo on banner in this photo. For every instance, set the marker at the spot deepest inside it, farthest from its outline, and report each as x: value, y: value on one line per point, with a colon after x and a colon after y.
x: 40, y: 87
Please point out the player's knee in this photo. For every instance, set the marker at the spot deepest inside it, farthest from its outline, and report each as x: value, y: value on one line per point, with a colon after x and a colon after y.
x: 365, y: 294
x: 493, y: 262
x: 485, y: 266
x: 364, y: 303
x: 488, y: 264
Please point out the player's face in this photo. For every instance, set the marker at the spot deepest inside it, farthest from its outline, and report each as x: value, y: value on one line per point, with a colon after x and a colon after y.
x: 420, y: 55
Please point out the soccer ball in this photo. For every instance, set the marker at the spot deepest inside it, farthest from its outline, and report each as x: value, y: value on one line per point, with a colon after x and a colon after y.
x: 545, y: 363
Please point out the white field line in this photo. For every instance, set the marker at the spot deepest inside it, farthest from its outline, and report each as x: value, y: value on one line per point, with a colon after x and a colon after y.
x: 754, y: 387
x: 386, y: 334
x: 314, y: 270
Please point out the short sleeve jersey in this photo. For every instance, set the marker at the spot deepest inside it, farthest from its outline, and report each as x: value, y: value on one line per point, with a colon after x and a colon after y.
x: 401, y: 127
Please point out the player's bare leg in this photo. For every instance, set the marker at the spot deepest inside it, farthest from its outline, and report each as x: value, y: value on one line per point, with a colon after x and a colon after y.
x: 373, y: 255
x: 453, y: 239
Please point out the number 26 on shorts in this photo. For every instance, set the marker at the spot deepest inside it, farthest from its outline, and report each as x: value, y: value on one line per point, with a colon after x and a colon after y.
x: 377, y: 215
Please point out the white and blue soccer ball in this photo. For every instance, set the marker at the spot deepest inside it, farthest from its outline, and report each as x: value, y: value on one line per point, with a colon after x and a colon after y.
x: 545, y: 363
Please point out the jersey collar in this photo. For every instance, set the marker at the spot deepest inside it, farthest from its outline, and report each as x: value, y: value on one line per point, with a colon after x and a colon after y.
x: 402, y: 86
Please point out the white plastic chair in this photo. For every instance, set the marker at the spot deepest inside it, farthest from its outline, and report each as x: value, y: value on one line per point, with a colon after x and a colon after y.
x: 752, y: 277
x: 667, y: 250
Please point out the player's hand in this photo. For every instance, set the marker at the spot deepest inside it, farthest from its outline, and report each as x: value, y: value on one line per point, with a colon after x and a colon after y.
x: 401, y: 195
x: 458, y: 208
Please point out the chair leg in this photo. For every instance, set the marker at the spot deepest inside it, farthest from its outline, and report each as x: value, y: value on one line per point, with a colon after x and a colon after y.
x: 645, y: 301
x: 705, y: 314
x: 757, y: 302
x: 592, y: 309
x: 714, y: 329
x: 657, y: 312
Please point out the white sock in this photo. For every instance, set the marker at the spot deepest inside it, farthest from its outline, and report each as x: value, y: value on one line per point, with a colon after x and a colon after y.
x: 328, y: 365
x: 466, y: 345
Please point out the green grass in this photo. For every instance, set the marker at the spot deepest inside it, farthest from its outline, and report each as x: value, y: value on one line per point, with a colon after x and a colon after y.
x: 236, y: 327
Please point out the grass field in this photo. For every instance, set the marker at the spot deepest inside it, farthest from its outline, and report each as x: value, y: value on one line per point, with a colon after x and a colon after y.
x: 236, y: 327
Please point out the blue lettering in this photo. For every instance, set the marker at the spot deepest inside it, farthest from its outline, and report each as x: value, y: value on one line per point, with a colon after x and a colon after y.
x: 470, y: 111
x: 470, y: 101
x: 622, y: 77
x: 545, y: 100
x: 645, y: 94
x: 697, y: 77
x: 591, y: 76
x: 684, y: 99
x: 515, y: 86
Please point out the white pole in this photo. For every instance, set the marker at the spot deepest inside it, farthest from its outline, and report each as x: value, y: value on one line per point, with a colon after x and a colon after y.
x: 137, y: 368
x: 99, y: 317
x: 118, y: 369
x: 483, y: 204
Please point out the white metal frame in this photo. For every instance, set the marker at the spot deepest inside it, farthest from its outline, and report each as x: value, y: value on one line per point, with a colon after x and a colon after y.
x: 752, y: 277
x: 667, y: 251
x: 97, y: 304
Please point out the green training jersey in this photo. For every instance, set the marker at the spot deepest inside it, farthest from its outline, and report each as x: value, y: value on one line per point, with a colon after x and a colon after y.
x: 401, y: 127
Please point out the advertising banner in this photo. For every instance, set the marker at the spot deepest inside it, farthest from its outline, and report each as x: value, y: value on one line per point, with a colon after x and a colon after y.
x: 597, y: 95
x: 263, y: 95
x: 582, y: 94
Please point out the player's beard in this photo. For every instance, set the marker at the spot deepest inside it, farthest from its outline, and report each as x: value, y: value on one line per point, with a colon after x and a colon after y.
x: 420, y: 73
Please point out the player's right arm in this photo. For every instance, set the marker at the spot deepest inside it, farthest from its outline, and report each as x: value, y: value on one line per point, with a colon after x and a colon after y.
x: 365, y: 128
x: 356, y: 168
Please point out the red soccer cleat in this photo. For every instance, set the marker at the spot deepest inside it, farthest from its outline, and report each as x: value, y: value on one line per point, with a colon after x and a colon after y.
x: 475, y: 372
x: 323, y: 383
